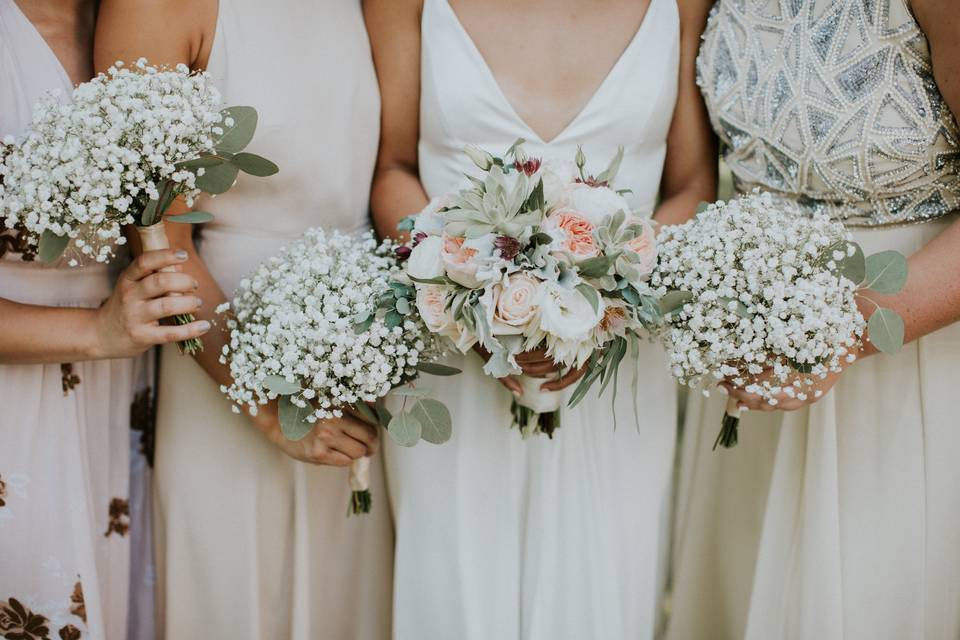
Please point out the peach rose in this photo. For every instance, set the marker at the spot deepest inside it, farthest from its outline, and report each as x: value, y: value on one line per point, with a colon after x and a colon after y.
x: 517, y: 304
x: 576, y: 233
x: 460, y: 262
x: 645, y: 245
x: 432, y: 306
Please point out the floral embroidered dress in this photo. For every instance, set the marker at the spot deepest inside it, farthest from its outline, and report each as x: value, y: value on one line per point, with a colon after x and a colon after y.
x: 65, y: 438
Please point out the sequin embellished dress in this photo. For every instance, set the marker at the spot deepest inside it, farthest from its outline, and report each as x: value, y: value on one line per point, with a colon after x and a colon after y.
x: 841, y: 520
x: 71, y: 515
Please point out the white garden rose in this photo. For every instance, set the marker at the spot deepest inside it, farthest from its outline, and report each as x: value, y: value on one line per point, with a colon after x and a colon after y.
x: 425, y: 262
x: 469, y: 262
x: 556, y: 176
x: 517, y: 304
x: 597, y: 204
x: 430, y: 221
x: 566, y: 314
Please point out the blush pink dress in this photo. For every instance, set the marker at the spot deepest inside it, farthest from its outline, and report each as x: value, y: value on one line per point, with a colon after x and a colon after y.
x: 70, y: 513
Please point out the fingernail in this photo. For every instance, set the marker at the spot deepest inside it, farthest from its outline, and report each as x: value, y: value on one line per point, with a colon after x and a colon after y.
x: 181, y: 255
x: 199, y: 303
x: 204, y: 325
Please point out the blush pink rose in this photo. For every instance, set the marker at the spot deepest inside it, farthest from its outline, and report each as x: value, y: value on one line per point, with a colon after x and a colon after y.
x: 576, y: 236
x: 460, y: 262
x: 518, y: 301
x: 645, y: 245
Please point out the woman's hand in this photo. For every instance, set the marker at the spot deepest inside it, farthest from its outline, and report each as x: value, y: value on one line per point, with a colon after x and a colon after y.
x: 336, y: 442
x: 813, y: 393
x: 128, y: 323
x: 537, y: 364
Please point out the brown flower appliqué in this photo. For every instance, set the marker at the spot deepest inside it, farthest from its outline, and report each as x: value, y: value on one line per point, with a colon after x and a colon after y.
x: 19, y: 623
x: 16, y: 241
x: 68, y: 379
x: 119, y: 522
x: 143, y: 419
x: 3, y: 492
x: 78, y: 606
x: 69, y: 632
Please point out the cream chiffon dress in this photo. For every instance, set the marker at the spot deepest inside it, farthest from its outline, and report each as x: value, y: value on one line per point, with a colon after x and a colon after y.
x: 500, y: 538
x: 252, y: 544
x: 841, y: 520
x: 70, y: 514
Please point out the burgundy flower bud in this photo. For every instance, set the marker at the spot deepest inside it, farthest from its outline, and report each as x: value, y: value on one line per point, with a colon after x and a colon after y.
x: 403, y: 252
x: 529, y: 167
x: 508, y: 247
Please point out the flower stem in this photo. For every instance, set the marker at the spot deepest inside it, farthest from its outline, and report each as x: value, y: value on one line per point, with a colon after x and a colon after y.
x: 360, y: 502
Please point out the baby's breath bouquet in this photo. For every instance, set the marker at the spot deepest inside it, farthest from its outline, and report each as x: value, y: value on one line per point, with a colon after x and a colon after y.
x: 536, y: 254
x: 325, y: 327
x: 766, y: 298
x: 119, y: 152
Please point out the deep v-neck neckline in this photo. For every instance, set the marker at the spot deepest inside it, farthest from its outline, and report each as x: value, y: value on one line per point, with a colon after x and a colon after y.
x: 587, y: 106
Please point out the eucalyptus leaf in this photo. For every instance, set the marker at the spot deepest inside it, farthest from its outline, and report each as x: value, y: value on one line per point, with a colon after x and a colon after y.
x: 703, y: 206
x: 610, y: 174
x: 403, y: 307
x: 383, y: 414
x: 51, y: 246
x: 254, y: 165
x: 886, y: 330
x: 280, y: 385
x: 293, y: 419
x: 203, y: 162
x: 236, y: 138
x: 854, y: 268
x: 886, y: 272
x: 405, y: 429
x: 393, y: 319
x: 193, y: 217
x: 434, y: 417
x: 741, y: 309
x: 630, y: 295
x: 366, y: 412
x: 149, y: 215
x: 436, y: 369
x: 673, y: 301
x: 364, y: 324
x: 217, y: 180
x: 591, y: 294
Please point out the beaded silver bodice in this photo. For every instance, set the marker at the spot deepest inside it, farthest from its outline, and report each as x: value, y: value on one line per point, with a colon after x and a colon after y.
x: 832, y: 104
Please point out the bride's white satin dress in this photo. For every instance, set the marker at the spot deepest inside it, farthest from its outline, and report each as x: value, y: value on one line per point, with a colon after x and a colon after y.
x: 500, y: 538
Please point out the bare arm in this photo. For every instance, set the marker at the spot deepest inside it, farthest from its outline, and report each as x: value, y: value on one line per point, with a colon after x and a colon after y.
x: 394, y: 27
x: 124, y: 326
x: 128, y: 30
x: 931, y: 299
x: 690, y: 170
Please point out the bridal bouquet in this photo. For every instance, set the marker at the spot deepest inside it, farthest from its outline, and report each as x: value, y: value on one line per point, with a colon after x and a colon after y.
x: 767, y: 299
x: 128, y: 143
x: 535, y: 255
x: 324, y: 328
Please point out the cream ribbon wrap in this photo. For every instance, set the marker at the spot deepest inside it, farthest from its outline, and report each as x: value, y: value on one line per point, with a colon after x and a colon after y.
x: 154, y: 238
x: 360, y: 475
x: 535, y: 398
x: 732, y: 409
